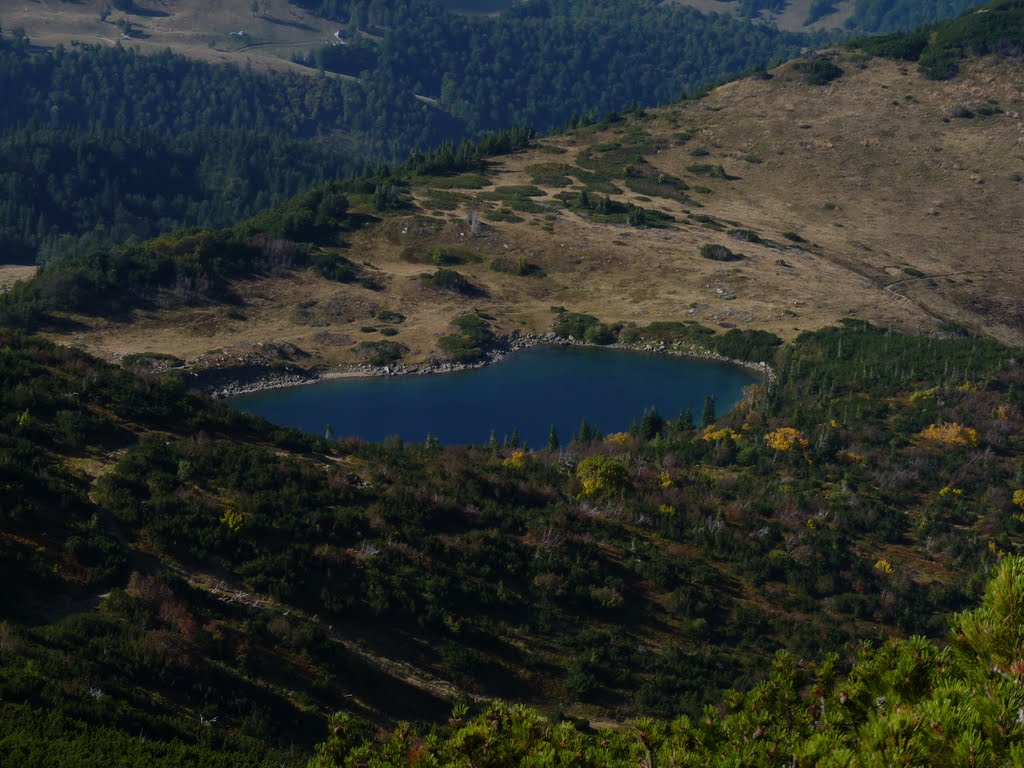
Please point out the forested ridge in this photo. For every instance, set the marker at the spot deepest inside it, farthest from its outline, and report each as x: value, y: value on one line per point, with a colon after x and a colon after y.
x: 225, y: 143
x: 938, y: 48
x: 197, y: 265
x: 541, y: 62
x: 99, y: 146
x: 193, y: 144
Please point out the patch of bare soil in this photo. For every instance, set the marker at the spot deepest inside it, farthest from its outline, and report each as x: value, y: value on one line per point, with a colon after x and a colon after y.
x: 13, y: 273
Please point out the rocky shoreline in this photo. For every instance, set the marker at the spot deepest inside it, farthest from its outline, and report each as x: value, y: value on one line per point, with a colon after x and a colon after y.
x: 224, y: 383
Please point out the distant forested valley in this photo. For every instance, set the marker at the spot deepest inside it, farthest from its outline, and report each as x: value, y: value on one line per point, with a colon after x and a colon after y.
x: 100, y: 146
x: 540, y: 62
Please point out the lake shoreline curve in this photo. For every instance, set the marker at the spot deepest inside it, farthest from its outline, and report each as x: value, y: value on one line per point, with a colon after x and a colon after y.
x: 227, y: 383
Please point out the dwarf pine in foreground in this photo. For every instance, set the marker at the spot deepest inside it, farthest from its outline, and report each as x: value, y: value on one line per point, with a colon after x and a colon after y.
x: 910, y: 702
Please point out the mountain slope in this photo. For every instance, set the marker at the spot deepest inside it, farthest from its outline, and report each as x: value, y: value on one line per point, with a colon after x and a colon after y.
x: 98, y: 120
x: 882, y: 195
x: 202, y: 577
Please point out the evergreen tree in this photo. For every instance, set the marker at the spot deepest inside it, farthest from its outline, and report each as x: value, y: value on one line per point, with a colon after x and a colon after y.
x: 685, y: 419
x: 651, y: 424
x: 552, y: 439
x: 708, y: 416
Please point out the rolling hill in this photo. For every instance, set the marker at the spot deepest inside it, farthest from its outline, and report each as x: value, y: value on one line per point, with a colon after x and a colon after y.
x: 882, y: 196
x: 313, y: 89
x: 202, y: 31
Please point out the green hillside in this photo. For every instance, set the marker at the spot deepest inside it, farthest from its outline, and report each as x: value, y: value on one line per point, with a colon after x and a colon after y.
x: 908, y: 702
x: 230, y: 570
x: 938, y: 48
x: 128, y: 144
x: 411, y: 74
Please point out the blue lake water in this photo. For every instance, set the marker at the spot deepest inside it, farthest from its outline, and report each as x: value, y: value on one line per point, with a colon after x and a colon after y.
x: 530, y: 390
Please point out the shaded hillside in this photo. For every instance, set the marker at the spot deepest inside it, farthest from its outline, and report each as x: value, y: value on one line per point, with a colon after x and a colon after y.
x: 905, y: 703
x: 196, y: 585
x: 230, y: 570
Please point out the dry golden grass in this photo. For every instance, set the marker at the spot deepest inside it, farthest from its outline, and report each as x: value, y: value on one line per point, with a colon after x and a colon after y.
x: 13, y: 273
x: 871, y: 171
x: 195, y: 28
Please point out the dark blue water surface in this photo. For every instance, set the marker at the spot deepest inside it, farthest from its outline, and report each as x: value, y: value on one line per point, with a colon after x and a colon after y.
x: 530, y: 390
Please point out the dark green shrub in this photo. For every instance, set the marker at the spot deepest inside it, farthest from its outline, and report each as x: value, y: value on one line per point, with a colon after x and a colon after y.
x: 441, y: 257
x: 333, y: 266
x: 717, y: 252
x: 711, y: 171
x: 471, y: 341
x: 389, y: 316
x: 381, y: 352
x: 756, y: 346
x: 907, y: 46
x: 449, y: 280
x: 573, y: 324
x: 819, y: 71
x: 746, y: 235
x: 599, y: 333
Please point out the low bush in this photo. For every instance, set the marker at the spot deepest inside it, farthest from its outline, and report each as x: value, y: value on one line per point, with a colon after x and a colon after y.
x: 717, y: 252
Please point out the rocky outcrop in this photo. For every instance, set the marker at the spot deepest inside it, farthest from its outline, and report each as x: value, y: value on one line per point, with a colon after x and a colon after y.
x: 229, y: 381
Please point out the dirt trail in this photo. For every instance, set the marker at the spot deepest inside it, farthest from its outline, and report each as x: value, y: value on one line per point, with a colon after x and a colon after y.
x: 224, y: 590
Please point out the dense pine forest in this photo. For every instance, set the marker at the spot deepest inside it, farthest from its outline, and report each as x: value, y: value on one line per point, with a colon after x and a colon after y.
x: 127, y: 146
x: 541, y: 62
x: 99, y: 146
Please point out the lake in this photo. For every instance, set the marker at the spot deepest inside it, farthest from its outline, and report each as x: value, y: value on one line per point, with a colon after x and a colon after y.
x: 529, y: 390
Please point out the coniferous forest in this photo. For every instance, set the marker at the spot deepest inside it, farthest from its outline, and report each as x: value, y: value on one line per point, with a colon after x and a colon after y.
x: 128, y: 146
